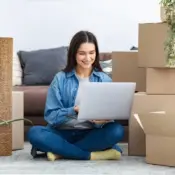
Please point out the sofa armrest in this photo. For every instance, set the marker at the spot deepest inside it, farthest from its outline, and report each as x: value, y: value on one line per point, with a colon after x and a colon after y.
x: 34, y: 99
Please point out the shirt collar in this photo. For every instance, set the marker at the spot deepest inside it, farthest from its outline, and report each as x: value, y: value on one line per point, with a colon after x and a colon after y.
x: 72, y: 73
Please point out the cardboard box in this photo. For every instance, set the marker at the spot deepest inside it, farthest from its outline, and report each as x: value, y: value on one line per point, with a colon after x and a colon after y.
x: 144, y: 103
x: 152, y: 37
x: 17, y: 127
x: 160, y: 137
x: 125, y: 69
x: 160, y: 81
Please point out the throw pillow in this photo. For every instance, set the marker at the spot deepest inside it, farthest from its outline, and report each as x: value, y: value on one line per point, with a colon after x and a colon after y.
x: 17, y: 71
x: 40, y: 66
x: 107, y: 67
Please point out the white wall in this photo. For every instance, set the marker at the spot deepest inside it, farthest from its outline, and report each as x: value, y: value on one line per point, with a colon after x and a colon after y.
x: 36, y: 24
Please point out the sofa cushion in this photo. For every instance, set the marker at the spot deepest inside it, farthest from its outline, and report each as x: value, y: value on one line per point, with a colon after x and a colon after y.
x: 34, y: 99
x: 40, y: 66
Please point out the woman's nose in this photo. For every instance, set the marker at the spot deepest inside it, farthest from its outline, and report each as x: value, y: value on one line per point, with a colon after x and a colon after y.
x: 87, y: 58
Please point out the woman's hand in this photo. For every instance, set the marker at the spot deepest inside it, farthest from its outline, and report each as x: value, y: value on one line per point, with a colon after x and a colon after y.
x: 76, y: 109
x: 100, y: 121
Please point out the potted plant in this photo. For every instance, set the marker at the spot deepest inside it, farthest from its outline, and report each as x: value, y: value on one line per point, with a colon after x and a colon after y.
x: 8, y: 122
x: 169, y: 13
x: 6, y: 138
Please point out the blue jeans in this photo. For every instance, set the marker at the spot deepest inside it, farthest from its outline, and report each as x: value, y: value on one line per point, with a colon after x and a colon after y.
x: 76, y: 144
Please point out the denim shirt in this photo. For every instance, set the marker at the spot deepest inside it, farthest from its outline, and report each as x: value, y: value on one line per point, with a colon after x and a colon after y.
x: 62, y: 93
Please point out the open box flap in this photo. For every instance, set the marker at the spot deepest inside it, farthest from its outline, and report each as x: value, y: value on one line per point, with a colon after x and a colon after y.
x: 157, y: 123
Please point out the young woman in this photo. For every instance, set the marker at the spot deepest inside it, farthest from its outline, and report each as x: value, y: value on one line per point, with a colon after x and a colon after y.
x: 65, y: 136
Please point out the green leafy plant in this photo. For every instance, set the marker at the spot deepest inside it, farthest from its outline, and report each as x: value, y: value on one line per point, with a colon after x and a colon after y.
x: 8, y: 122
x: 169, y: 10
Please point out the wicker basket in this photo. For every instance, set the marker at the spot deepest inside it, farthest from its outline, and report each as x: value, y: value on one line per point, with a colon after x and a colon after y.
x: 6, y: 53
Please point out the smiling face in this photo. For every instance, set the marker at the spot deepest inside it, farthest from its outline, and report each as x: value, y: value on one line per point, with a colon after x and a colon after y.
x: 83, y: 53
x: 86, y: 55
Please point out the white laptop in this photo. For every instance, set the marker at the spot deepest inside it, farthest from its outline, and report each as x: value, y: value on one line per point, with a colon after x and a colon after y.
x: 106, y: 101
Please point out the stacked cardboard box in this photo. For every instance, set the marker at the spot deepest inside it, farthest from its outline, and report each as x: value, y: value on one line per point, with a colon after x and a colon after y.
x: 125, y: 69
x: 152, y: 134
